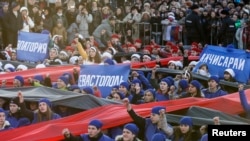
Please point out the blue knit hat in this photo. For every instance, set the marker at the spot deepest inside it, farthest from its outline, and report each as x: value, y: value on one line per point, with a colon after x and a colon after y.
x: 166, y: 80
x: 115, y: 87
x: 38, y: 77
x: 73, y: 87
x: 125, y: 84
x: 64, y: 79
x: 45, y: 100
x: 97, y: 123
x: 183, y: 83
x: 132, y: 127
x: 136, y: 81
x: 152, y: 91
x: 109, y: 61
x: 158, y: 137
x: 88, y: 90
x: 2, y: 110
x: 215, y: 78
x: 196, y: 84
x: 156, y: 109
x: 45, y: 32
x: 20, y: 78
x: 171, y: 79
x: 186, y: 120
x: 68, y: 75
x: 11, y: 69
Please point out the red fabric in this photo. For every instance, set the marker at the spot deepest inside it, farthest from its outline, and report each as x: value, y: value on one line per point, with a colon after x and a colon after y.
x: 114, y: 115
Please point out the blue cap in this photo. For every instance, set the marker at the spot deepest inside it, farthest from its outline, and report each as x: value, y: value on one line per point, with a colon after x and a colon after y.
x: 196, y: 84
x: 152, y: 91
x: 97, y: 123
x: 158, y: 137
x: 156, y: 109
x: 136, y: 81
x: 38, y: 77
x: 183, y: 83
x: 2, y: 110
x: 166, y: 80
x: 45, y: 100
x: 88, y: 90
x: 186, y: 120
x: 132, y: 127
x: 20, y: 78
x: 125, y: 84
x: 215, y: 78
x: 64, y: 79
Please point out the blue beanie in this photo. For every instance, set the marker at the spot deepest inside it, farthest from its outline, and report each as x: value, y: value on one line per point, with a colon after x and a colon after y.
x: 156, y: 109
x: 158, y: 137
x: 20, y: 78
x: 45, y: 100
x: 166, y: 80
x: 136, y: 81
x: 45, y: 32
x: 97, y: 123
x: 122, y: 95
x: 152, y: 91
x: 183, y: 83
x: 11, y: 69
x: 38, y: 77
x: 64, y: 79
x: 88, y: 90
x: 170, y: 78
x: 67, y: 75
x: 186, y: 120
x: 115, y: 87
x: 125, y: 84
x: 132, y: 127
x: 196, y: 84
x: 109, y: 61
x: 2, y: 110
x: 73, y: 87
x: 215, y: 78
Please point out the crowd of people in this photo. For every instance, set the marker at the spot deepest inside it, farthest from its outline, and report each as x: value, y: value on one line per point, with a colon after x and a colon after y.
x: 89, y: 32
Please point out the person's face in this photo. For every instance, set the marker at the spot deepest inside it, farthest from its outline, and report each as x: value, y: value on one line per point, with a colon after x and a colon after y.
x: 13, y: 56
x: 13, y: 108
x: 192, y: 89
x: 2, y: 102
x: 33, y: 106
x: 16, y: 83
x: 2, y: 118
x: 60, y: 84
x: 93, y: 131
x: 114, y: 90
x: 5, y: 8
x: 118, y: 11
x: 52, y: 54
x: 227, y: 76
x: 184, y: 128
x: 171, y: 66
x: 123, y: 89
x: 145, y: 59
x: 135, y: 60
x: 154, y: 118
x: 127, y: 135
x: 92, y: 53
x: 43, y: 107
x: 212, y: 84
x: 163, y: 86
x: 203, y: 129
x: 116, y: 97
x: 148, y: 97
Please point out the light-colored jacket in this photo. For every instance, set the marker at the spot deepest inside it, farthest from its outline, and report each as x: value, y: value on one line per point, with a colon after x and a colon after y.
x: 119, y: 138
x: 83, y: 21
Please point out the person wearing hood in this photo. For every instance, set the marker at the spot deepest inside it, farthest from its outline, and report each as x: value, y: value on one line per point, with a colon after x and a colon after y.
x: 28, y: 23
x: 44, y: 112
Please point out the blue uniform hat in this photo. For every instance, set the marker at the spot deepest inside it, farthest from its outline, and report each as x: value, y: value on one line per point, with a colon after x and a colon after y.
x: 186, y: 120
x: 45, y: 100
x: 183, y: 84
x: 136, y: 81
x: 109, y: 61
x: 132, y: 127
x: 38, y: 77
x: 151, y: 91
x: 215, y: 78
x: 122, y: 95
x: 158, y: 137
x: 2, y: 110
x: 156, y: 109
x: 64, y: 79
x: 97, y: 123
x: 166, y: 80
x: 88, y: 90
x: 20, y: 78
x: 125, y: 84
x: 196, y: 84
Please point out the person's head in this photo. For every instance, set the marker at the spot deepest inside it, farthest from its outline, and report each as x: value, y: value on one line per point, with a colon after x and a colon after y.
x: 2, y: 117
x: 183, y: 85
x: 2, y: 102
x: 62, y: 82
x: 94, y: 128
x: 112, y: 20
x: 124, y: 87
x: 33, y: 105
x: 149, y: 95
x: 53, y: 53
x: 203, y: 70
x: 130, y: 132
x: 165, y: 84
x: 118, y: 96
x: 18, y: 81
x: 186, y: 124
x: 15, y: 6
x: 194, y: 87
x: 158, y: 137
x: 24, y: 11
x: 195, y: 8
x: 213, y: 82
x: 135, y: 58
x: 229, y: 74
x: 44, y: 105
x: 155, y: 114
x: 14, y: 105
x: 88, y: 90
x: 38, y: 78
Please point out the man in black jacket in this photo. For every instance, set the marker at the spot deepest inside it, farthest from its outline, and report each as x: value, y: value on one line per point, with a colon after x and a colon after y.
x: 194, y: 26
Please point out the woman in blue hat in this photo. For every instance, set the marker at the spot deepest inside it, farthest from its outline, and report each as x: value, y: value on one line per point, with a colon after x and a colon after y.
x: 44, y: 112
x: 94, y: 133
x: 4, y: 124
